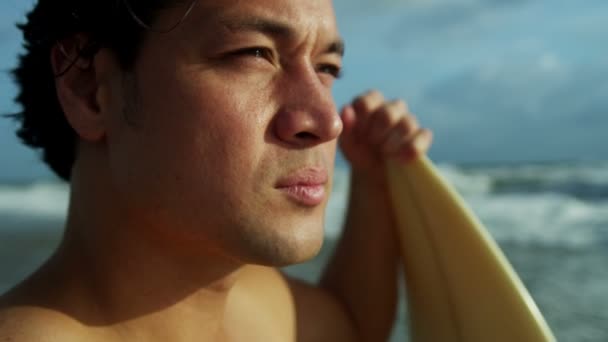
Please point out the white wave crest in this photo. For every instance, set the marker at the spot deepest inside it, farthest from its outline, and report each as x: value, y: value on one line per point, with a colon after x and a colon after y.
x: 466, y: 182
x: 44, y: 199
x: 543, y: 218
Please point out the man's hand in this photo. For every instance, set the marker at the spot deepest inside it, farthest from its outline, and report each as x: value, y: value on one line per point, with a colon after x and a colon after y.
x: 362, y: 276
x: 376, y: 129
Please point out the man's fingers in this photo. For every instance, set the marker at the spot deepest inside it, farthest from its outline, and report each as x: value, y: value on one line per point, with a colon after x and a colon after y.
x: 406, y: 146
x: 365, y: 105
x: 393, y: 115
x: 348, y: 118
x: 384, y: 128
x: 419, y: 145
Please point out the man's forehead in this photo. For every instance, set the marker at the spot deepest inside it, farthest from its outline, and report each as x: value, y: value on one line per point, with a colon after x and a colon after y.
x: 295, y: 15
x: 276, y: 28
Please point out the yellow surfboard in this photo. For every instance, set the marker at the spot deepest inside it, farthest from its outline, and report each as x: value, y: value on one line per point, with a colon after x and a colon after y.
x: 460, y: 286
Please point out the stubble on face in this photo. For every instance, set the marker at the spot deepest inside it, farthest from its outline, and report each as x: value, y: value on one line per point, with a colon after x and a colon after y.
x: 204, y: 156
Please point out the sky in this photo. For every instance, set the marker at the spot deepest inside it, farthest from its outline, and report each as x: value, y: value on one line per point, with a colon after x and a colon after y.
x: 496, y: 80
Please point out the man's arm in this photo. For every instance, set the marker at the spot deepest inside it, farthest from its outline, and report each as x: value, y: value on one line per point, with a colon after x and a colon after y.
x: 357, y: 297
x: 362, y: 275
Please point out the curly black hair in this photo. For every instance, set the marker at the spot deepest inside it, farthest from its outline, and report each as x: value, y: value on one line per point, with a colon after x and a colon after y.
x: 119, y: 25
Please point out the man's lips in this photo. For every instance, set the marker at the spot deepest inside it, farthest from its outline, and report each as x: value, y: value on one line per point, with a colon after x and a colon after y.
x: 305, y: 186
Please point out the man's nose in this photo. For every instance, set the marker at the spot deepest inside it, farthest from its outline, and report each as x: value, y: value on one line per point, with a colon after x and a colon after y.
x: 308, y: 115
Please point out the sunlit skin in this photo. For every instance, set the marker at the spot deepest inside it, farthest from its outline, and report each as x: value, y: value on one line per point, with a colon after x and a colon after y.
x: 239, y: 111
x: 206, y: 167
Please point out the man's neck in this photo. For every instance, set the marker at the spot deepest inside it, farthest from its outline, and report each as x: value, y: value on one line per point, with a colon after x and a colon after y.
x: 116, y: 272
x: 115, y: 285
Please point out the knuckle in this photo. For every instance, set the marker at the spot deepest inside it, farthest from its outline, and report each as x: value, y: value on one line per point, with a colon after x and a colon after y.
x: 375, y: 94
x: 368, y: 101
x: 395, y: 110
x: 408, y: 125
x: 391, y: 112
x: 385, y: 116
x: 412, y: 122
x: 404, y: 127
x: 399, y: 106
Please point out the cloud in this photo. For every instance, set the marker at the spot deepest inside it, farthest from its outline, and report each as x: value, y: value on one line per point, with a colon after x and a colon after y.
x: 528, y: 78
x: 521, y: 113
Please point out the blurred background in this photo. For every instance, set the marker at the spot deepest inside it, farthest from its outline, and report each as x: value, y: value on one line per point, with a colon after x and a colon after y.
x: 516, y: 92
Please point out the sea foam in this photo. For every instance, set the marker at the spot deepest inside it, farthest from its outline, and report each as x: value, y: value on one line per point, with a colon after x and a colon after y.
x: 543, y: 204
x: 563, y: 205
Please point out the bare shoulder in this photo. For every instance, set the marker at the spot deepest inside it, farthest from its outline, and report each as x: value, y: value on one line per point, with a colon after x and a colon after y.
x: 261, y: 306
x: 302, y: 311
x: 320, y: 316
x: 30, y: 323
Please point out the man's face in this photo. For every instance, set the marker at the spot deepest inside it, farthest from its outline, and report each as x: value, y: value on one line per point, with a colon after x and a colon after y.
x: 234, y: 128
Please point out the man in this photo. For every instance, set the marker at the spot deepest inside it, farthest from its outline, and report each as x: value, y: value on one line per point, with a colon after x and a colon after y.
x: 199, y: 143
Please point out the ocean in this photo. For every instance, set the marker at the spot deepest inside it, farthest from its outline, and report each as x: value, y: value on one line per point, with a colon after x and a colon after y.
x: 551, y: 220
x: 527, y: 78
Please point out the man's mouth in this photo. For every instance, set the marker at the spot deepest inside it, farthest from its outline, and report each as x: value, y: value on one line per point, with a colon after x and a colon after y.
x: 305, y: 186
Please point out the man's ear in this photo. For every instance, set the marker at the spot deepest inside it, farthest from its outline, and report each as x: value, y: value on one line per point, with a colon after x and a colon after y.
x: 77, y: 84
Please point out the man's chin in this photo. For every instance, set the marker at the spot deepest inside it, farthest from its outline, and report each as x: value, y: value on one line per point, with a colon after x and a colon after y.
x: 302, y: 255
x: 279, y: 250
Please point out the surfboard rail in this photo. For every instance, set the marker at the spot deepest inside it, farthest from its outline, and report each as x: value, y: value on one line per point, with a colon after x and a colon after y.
x: 459, y: 284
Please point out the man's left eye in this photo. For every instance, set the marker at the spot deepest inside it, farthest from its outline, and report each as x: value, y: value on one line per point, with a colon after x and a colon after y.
x: 330, y: 69
x: 258, y: 52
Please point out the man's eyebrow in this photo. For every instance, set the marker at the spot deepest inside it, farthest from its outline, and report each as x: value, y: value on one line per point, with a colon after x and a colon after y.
x: 268, y: 26
x: 275, y: 28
